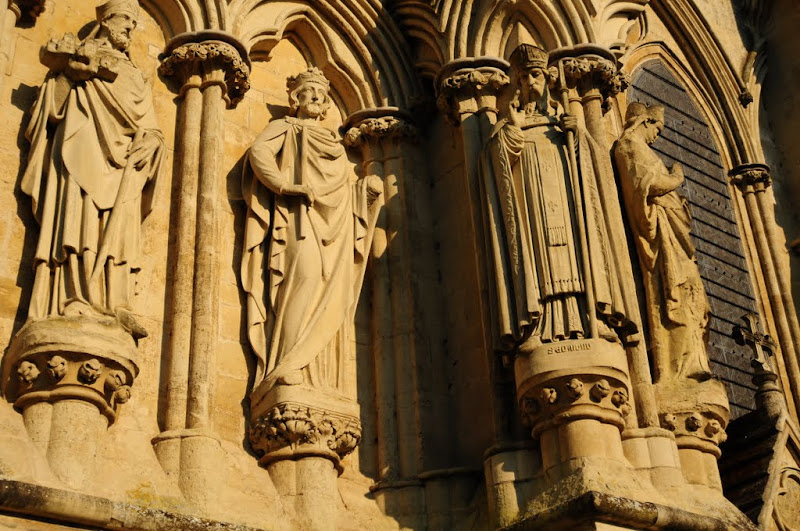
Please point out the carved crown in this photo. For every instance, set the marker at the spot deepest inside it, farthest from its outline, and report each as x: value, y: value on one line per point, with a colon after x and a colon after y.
x: 312, y: 75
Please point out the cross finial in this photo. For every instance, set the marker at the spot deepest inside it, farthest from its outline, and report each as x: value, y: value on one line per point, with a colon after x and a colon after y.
x: 762, y: 344
x: 769, y: 397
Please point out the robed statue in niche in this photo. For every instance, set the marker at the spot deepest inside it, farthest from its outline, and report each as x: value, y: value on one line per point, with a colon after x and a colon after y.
x: 95, y: 152
x: 307, y: 235
x: 544, y: 225
x: 677, y: 305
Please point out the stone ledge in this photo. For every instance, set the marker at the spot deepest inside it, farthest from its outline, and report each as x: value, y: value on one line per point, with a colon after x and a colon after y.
x: 596, y: 506
x: 65, y: 507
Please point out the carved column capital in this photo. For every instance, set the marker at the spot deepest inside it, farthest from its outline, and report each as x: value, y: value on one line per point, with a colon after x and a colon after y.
x: 207, y: 58
x: 467, y: 86
x: 295, y: 421
x: 373, y: 125
x: 591, y: 70
x: 751, y: 178
x: 71, y: 359
x: 27, y: 9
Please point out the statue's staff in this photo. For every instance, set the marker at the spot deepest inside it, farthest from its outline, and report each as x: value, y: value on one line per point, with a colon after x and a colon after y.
x: 577, y: 192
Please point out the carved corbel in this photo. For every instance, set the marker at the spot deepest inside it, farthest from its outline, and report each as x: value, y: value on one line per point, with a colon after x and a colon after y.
x: 591, y: 71
x: 468, y: 86
x: 208, y: 58
x: 56, y: 360
x: 378, y: 126
x: 751, y: 178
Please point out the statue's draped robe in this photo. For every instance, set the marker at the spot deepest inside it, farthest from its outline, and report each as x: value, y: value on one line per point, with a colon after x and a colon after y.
x: 535, y: 260
x: 677, y: 304
x: 89, y: 243
x: 302, y: 266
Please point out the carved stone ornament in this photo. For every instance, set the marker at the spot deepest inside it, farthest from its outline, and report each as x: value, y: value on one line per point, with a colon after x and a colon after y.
x: 377, y: 128
x: 750, y: 178
x: 593, y: 68
x: 787, y: 500
x: 697, y: 413
x: 186, y: 58
x: 60, y: 359
x: 469, y: 86
x: 293, y: 429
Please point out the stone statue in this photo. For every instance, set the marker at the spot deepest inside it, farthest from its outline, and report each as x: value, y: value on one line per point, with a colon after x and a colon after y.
x: 95, y: 153
x: 533, y: 225
x: 307, y: 236
x: 676, y: 299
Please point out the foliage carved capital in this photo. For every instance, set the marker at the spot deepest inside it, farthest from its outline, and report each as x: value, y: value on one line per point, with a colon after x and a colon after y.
x: 751, y: 178
x: 208, y: 59
x: 293, y: 429
x: 470, y: 86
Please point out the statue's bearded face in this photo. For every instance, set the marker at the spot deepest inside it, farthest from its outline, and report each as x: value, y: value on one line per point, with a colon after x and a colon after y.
x: 312, y: 100
x: 531, y: 84
x: 117, y: 29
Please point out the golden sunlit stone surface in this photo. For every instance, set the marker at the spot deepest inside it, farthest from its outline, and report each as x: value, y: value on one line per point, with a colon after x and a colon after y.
x: 398, y: 265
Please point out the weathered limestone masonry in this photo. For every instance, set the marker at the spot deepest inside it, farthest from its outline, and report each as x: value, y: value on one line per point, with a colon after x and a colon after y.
x: 361, y: 264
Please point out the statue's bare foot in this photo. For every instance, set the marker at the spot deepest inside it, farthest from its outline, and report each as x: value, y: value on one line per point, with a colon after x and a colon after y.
x: 129, y: 323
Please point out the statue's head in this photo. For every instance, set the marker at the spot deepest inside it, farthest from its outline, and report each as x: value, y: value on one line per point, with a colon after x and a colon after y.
x: 529, y: 73
x: 308, y: 94
x: 650, y: 120
x: 117, y: 19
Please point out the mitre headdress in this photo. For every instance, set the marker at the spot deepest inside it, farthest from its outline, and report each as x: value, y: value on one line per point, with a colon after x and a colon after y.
x: 527, y: 56
x: 312, y: 75
x: 113, y: 7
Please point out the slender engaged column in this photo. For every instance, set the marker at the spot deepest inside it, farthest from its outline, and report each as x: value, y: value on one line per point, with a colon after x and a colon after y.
x: 469, y: 93
x: 211, y: 72
x: 592, y: 77
x: 382, y: 134
x: 753, y: 180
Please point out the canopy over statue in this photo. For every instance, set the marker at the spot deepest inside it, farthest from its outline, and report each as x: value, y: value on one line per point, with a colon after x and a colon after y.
x: 90, y: 176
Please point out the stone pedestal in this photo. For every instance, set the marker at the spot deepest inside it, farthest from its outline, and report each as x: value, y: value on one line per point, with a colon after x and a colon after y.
x: 697, y: 413
x: 302, y: 434
x: 68, y: 377
x: 574, y: 395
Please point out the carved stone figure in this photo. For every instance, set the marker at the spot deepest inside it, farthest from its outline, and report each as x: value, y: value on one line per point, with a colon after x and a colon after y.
x: 535, y: 222
x: 676, y: 299
x: 306, y: 243
x: 95, y: 152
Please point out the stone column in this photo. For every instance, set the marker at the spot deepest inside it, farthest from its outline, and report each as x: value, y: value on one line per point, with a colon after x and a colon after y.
x: 755, y: 182
x: 210, y: 71
x: 470, y: 95
x: 384, y: 136
x: 11, y: 12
